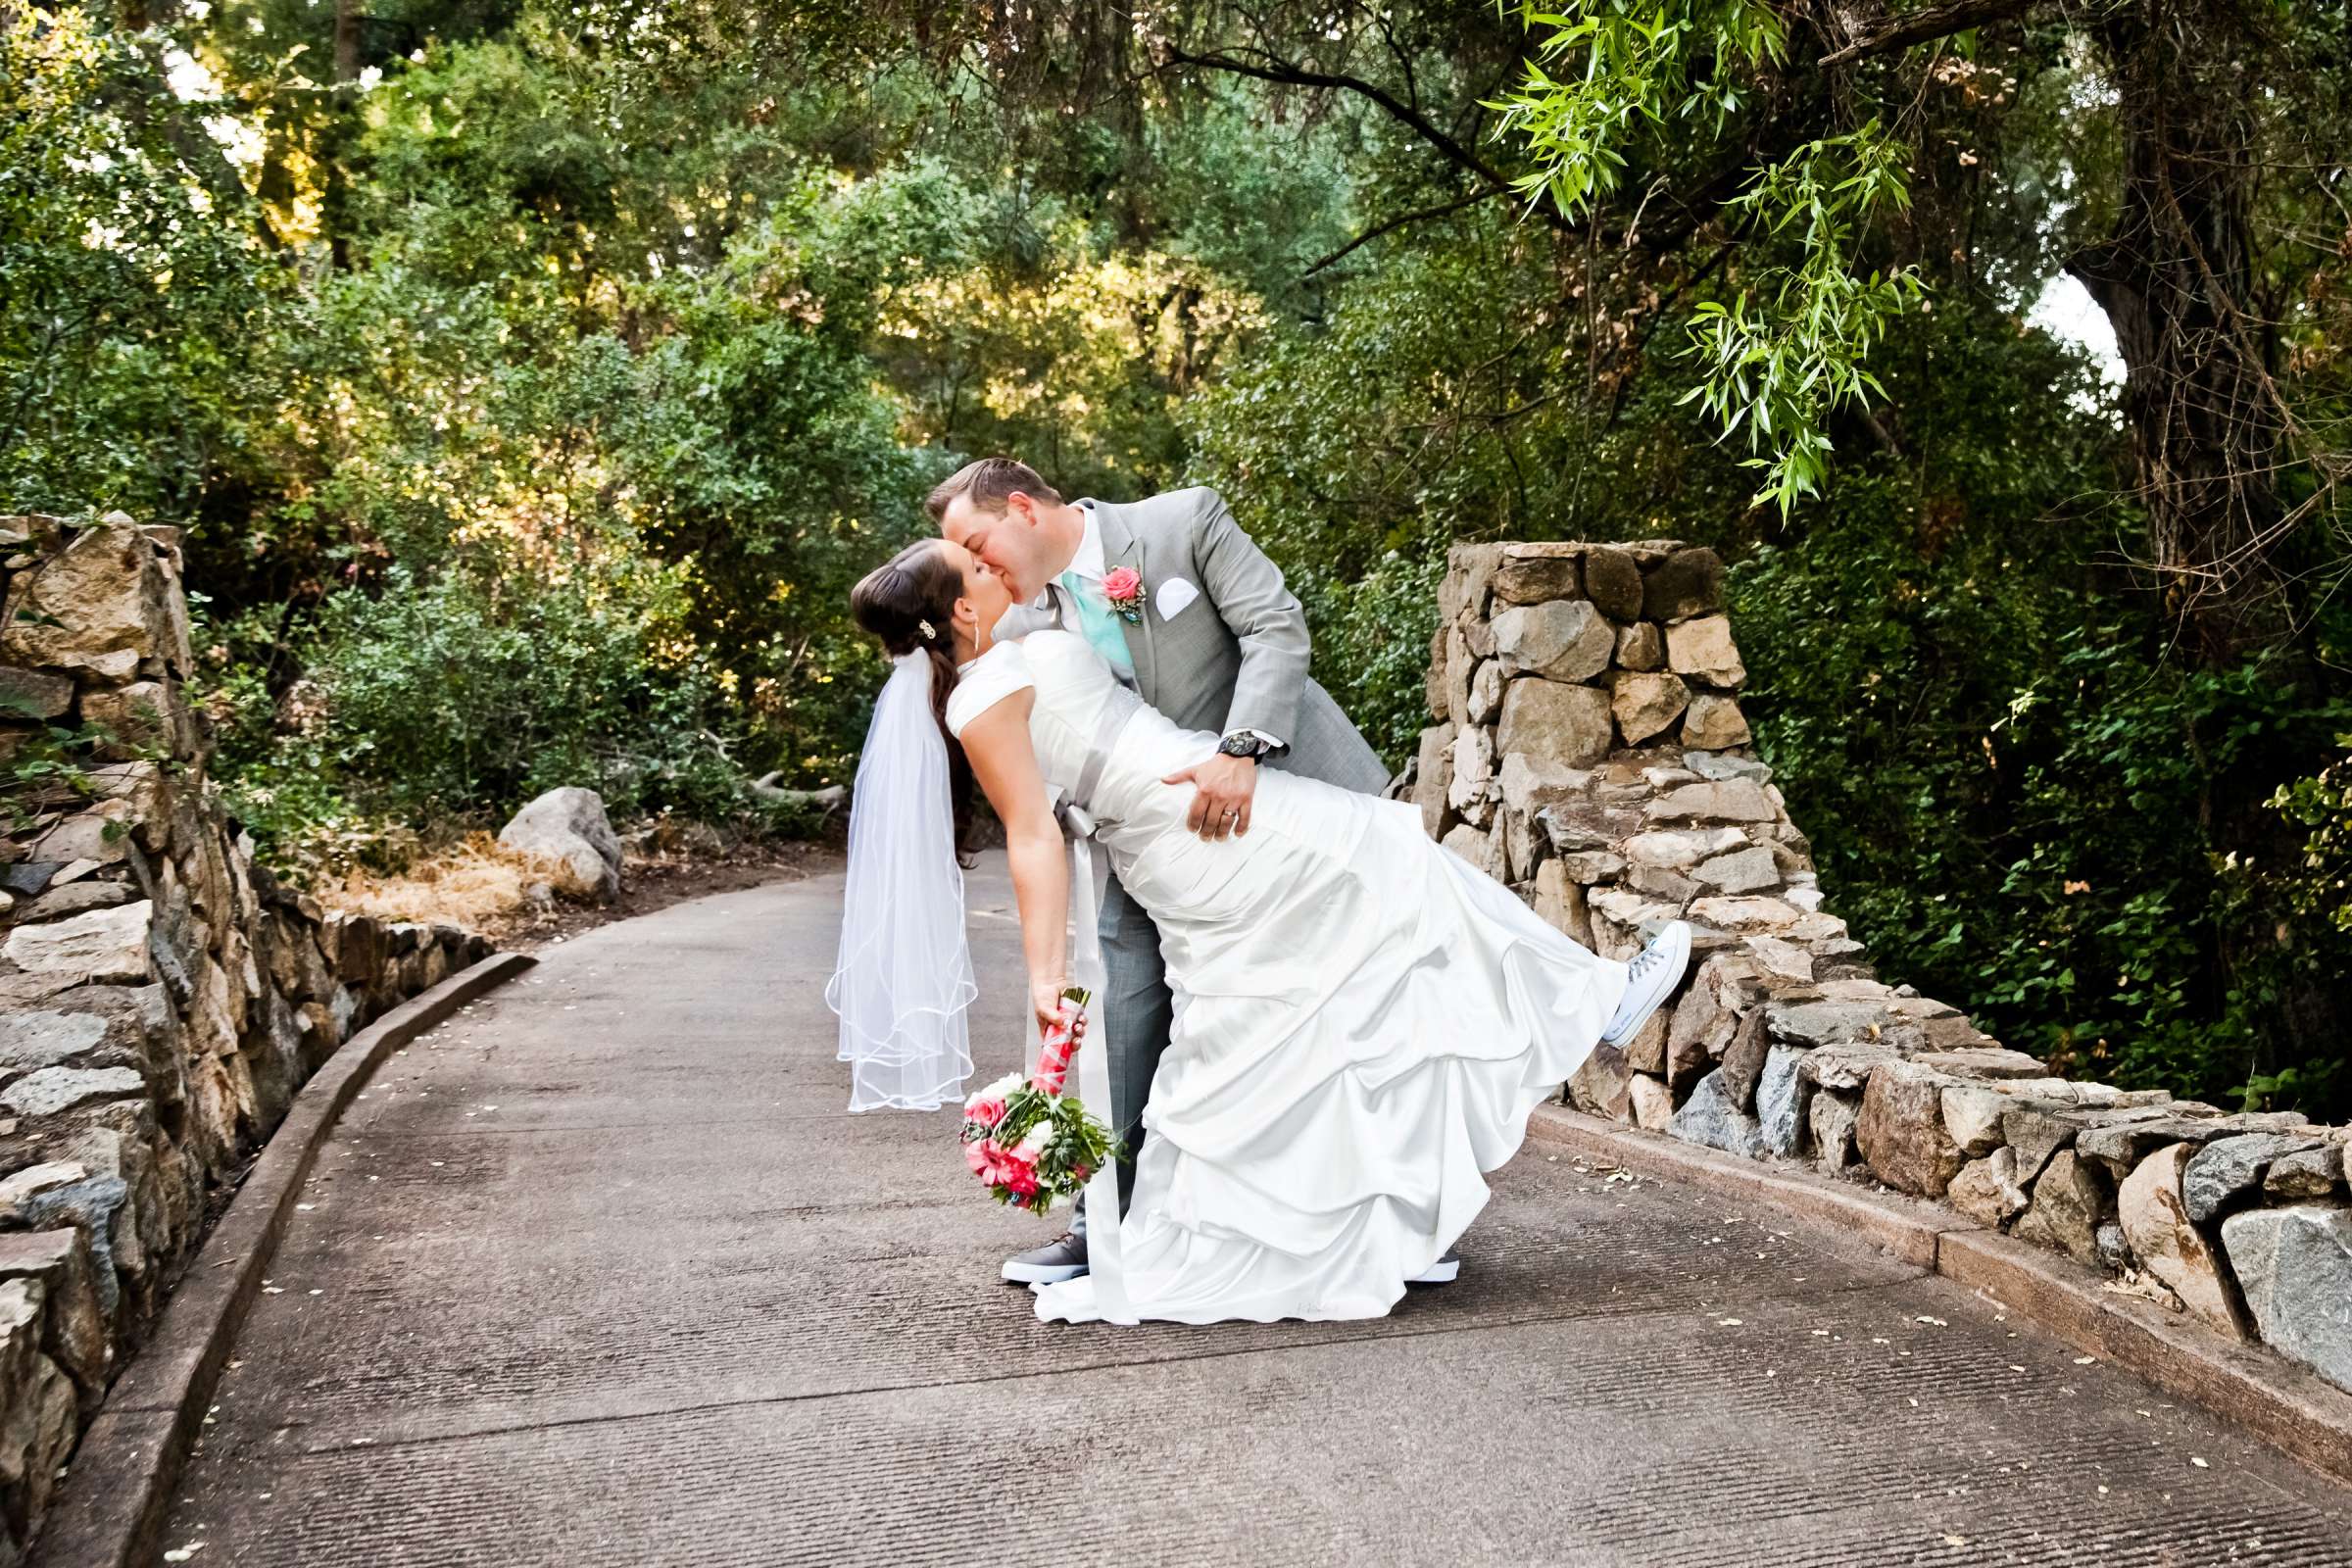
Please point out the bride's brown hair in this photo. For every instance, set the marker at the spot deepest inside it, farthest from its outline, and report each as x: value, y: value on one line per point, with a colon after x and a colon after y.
x: 910, y: 603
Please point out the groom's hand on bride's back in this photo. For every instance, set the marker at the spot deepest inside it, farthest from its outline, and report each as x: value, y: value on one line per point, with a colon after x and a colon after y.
x: 1222, y: 789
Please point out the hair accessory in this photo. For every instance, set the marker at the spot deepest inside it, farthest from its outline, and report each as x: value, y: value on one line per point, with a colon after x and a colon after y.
x: 930, y: 634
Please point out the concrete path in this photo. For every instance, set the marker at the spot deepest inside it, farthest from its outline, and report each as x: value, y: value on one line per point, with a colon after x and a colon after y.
x: 601, y: 1273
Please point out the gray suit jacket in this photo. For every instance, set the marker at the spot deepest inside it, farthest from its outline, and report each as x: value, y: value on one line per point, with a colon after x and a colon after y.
x: 1235, y: 655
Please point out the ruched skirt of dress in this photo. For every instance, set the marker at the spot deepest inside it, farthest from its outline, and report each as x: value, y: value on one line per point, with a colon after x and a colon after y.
x: 1363, y: 1025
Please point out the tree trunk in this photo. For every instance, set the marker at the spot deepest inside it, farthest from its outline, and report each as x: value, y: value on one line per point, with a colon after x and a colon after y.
x: 2177, y: 280
x: 2208, y: 430
x: 335, y: 194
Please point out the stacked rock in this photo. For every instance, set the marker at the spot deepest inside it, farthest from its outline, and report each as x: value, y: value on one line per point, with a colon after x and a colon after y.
x: 160, y: 995
x: 1590, y: 751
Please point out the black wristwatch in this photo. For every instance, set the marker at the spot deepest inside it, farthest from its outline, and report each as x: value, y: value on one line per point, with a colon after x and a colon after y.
x: 1238, y: 744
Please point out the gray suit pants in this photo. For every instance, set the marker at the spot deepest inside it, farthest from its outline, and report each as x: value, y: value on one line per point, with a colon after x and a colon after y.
x: 1139, y: 1012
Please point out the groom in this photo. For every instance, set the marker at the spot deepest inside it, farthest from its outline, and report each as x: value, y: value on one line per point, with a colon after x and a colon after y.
x: 1214, y: 640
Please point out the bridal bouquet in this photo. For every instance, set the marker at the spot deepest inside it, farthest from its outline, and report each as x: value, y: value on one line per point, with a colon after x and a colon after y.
x: 1033, y: 1144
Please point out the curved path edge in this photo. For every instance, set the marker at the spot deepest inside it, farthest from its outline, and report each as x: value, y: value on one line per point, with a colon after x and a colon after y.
x: 2287, y: 1407
x: 109, y: 1511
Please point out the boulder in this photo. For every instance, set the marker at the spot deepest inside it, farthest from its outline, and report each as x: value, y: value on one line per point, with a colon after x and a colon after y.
x: 1833, y: 1117
x: 1834, y: 1023
x: 1563, y: 640
x: 2317, y: 1172
x: 2228, y: 1171
x: 1846, y: 1066
x: 1531, y: 783
x: 1603, y: 1084
x: 1740, y: 871
x: 78, y: 898
x: 1522, y: 842
x: 104, y: 603
x: 2295, y: 1267
x: 1433, y: 683
x: 38, y: 1038
x: 1902, y: 1132
x: 1989, y: 1061
x: 2164, y: 1238
x: 1647, y: 1050
x: 1972, y: 1116
x: 1482, y: 849
x: 1647, y: 704
x: 72, y: 1332
x: 1653, y: 1103
x: 2068, y: 1206
x: 1703, y: 649
x: 565, y: 829
x: 1486, y: 691
x: 2120, y: 1140
x: 2034, y: 1130
x: 1976, y: 1194
x: 1709, y: 1119
x: 1556, y: 722
x: 100, y: 836
x: 1435, y: 776
x: 1730, y: 800
x: 1613, y: 581
x: 20, y: 1186
x: 101, y: 945
x: 144, y: 714
x: 40, y: 1427
x: 1747, y: 914
x: 34, y: 693
x: 1686, y: 583
x: 1714, y: 722
x: 1469, y: 578
x: 1472, y: 767
x: 1784, y: 1102
x: 54, y: 1088
x: 1999, y: 1169
x: 1640, y: 646
x: 1460, y: 667
x: 1783, y: 959
x: 1744, y: 1055
x: 1682, y: 849
x: 1709, y: 765
x: 1530, y: 575
x: 1560, y: 903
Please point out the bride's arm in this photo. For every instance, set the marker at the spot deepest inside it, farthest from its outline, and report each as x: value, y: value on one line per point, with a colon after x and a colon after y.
x: 1004, y: 760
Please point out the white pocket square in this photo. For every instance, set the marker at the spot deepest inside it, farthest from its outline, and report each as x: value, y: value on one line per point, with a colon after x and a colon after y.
x: 1173, y: 595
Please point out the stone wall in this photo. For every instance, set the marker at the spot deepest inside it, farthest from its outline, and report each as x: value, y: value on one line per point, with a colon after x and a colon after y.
x: 161, y: 996
x: 1591, y: 750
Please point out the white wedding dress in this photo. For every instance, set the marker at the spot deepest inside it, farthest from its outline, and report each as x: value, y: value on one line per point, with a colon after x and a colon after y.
x: 1363, y: 1022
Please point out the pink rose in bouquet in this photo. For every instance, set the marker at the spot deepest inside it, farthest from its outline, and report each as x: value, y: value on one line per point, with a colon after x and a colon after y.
x: 1030, y: 1145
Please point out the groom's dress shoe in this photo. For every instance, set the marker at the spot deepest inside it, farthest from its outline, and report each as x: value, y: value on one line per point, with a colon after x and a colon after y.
x: 1063, y: 1258
x: 1444, y: 1271
x: 1650, y: 979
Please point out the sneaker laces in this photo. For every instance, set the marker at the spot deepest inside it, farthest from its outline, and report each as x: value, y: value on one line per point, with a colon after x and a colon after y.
x: 1645, y: 960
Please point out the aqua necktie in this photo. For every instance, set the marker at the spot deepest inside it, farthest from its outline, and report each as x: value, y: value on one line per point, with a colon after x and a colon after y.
x: 1097, y: 622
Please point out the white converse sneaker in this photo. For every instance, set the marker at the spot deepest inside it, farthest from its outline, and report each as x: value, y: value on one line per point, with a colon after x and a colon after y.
x: 1650, y: 979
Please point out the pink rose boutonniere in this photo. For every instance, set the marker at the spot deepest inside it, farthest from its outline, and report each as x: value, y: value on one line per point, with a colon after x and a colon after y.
x: 1123, y: 586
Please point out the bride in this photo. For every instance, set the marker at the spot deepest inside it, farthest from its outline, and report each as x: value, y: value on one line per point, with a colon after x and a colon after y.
x: 1363, y: 1022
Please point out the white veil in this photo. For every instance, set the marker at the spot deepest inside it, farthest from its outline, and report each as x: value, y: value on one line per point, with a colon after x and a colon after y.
x: 904, y: 977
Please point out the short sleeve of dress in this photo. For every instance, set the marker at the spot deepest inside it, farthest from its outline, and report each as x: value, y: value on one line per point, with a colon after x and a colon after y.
x: 986, y: 681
